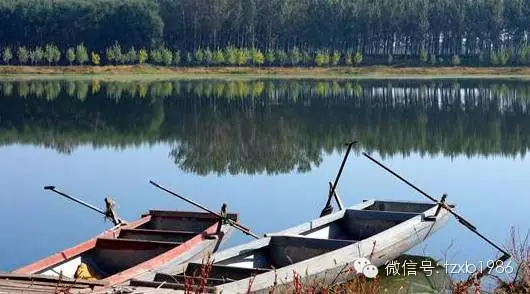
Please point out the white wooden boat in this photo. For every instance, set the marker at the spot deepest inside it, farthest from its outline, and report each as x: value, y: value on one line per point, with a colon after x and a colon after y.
x: 323, y: 249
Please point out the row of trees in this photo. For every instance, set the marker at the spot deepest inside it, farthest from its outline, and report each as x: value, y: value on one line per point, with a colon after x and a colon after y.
x: 230, y: 55
x: 50, y: 54
x: 475, y: 31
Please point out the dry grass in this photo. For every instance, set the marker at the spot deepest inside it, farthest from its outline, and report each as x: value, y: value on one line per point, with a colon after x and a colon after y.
x: 398, y: 72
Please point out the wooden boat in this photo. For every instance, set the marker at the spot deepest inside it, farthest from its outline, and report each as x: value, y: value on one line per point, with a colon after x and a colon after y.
x: 157, y: 240
x: 320, y: 250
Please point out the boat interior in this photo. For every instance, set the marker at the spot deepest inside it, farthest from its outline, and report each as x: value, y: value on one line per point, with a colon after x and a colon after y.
x: 285, y: 249
x: 159, y: 232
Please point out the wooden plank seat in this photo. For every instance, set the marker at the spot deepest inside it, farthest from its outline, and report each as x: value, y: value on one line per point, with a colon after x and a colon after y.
x: 157, y: 235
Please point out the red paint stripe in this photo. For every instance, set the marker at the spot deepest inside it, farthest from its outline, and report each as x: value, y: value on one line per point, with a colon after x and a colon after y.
x: 161, y: 259
x: 76, y: 250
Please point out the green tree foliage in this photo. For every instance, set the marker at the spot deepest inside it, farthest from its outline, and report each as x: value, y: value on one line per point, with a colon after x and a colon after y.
x: 424, y: 57
x: 176, y: 57
x: 348, y: 58
x: 231, y: 55
x: 322, y: 58
x: 95, y: 58
x: 114, y: 54
x: 257, y: 57
x: 142, y: 56
x: 218, y: 57
x: 455, y: 60
x: 22, y: 55
x: 70, y: 55
x: 198, y: 56
x: 81, y: 54
x: 52, y: 54
x: 281, y: 57
x: 295, y: 56
x: 358, y: 58
x: 132, y: 55
x: 7, y: 55
x: 208, y: 56
x: 335, y: 58
x: 242, y: 56
x: 270, y: 58
x: 167, y: 56
x: 156, y: 56
x: 36, y: 56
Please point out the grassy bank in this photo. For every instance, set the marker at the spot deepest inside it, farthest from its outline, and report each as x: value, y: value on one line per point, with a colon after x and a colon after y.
x: 156, y: 72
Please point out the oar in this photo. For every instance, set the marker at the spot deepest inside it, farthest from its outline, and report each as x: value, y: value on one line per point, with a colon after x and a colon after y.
x: 115, y: 220
x: 327, y: 208
x: 231, y: 222
x: 460, y: 218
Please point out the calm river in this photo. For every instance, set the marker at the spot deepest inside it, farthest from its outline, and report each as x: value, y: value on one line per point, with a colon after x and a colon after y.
x: 266, y: 147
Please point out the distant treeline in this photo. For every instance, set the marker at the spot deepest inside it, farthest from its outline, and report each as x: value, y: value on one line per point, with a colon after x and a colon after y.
x: 414, y: 32
x: 267, y: 125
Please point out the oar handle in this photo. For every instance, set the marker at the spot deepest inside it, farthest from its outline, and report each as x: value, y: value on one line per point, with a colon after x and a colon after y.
x: 231, y: 222
x: 85, y: 204
x: 460, y: 219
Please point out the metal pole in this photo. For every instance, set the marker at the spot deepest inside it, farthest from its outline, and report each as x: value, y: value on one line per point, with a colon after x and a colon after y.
x: 52, y: 188
x: 461, y: 219
x: 233, y: 223
x: 327, y: 208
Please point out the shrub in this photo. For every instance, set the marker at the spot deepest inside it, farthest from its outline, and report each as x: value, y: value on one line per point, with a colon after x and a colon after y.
x: 208, y: 56
x: 176, y: 57
x: 70, y: 55
x: 52, y: 54
x: 143, y: 56
x: 96, y: 59
x: 156, y: 56
x: 7, y: 55
x: 231, y: 55
x: 114, y: 53
x: 199, y: 56
x: 36, y: 55
x: 22, y: 55
x: 348, y: 58
x: 322, y: 58
x: 81, y: 54
x: 494, y: 59
x: 390, y: 59
x: 132, y: 56
x: 358, y: 58
x: 270, y: 59
x: 281, y: 57
x: 242, y: 56
x: 295, y: 56
x: 335, y: 58
x: 455, y: 61
x: 424, y: 56
x: 218, y: 57
x: 432, y: 59
x: 256, y: 57
x: 167, y: 56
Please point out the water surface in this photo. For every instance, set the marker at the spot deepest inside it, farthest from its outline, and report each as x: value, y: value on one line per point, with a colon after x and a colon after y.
x: 265, y: 147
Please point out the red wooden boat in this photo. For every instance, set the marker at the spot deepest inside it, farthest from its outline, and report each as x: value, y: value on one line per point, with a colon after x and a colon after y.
x: 157, y: 240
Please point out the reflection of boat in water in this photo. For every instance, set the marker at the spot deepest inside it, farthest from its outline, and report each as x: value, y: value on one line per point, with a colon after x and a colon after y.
x: 426, y: 276
x: 157, y: 240
x: 323, y: 249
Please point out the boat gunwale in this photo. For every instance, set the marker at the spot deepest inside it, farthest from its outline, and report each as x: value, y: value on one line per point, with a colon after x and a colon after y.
x: 287, y: 271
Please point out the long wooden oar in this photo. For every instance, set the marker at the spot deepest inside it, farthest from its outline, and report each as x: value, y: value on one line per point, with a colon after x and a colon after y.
x: 108, y: 214
x: 460, y: 218
x: 327, y: 208
x: 231, y: 222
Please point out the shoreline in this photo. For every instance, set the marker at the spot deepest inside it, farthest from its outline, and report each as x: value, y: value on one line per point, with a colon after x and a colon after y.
x: 158, y: 72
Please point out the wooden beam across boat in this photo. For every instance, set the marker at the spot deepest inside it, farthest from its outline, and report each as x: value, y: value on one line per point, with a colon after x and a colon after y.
x: 319, y: 250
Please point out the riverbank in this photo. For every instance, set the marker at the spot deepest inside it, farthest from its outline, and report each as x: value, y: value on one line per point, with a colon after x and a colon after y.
x: 157, y: 72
